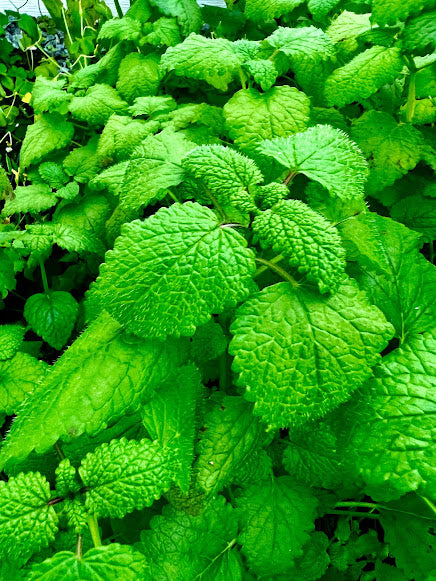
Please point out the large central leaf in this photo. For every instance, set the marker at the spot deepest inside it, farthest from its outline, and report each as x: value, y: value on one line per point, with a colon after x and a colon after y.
x: 300, y: 356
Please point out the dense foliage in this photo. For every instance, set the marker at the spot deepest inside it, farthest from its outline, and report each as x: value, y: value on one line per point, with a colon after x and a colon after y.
x: 217, y: 356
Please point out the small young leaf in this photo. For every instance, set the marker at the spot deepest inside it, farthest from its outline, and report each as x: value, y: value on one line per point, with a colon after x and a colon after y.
x: 125, y: 475
x: 52, y: 316
x: 52, y: 174
x: 305, y: 239
x: 169, y: 274
x: 27, y: 522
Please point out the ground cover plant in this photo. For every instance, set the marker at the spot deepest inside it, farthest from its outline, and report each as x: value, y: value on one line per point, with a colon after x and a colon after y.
x: 217, y: 353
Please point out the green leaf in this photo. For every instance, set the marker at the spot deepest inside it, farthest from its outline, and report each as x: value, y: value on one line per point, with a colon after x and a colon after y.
x: 110, y: 179
x: 276, y: 518
x: 397, y: 278
x: 27, y: 522
x: 82, y: 163
x: 411, y: 538
x: 252, y: 116
x: 419, y: 34
x: 10, y: 263
x: 109, y: 563
x: 417, y: 213
x: 52, y: 316
x: 209, y: 342
x: 48, y: 95
x: 232, y: 434
x: 223, y: 171
x: 138, y: 76
x: 363, y: 75
x: 170, y: 419
x: 99, y: 103
x: 124, y: 475
x: 19, y: 376
x: 52, y: 174
x: 120, y: 136
x: 187, y: 12
x: 165, y: 31
x: 154, y: 167
x: 212, y: 60
x: 5, y: 185
x: 120, y: 29
x: 169, y: 274
x: 260, y: 11
x: 11, y: 339
x: 323, y: 154
x: 299, y: 355
x: 264, y: 72
x: 66, y: 478
x: 389, y: 11
x: 116, y: 372
x: 69, y: 192
x: 315, y: 559
x: 320, y: 8
x: 392, y: 419
x: 152, y: 104
x: 301, y: 44
x: 305, y: 239
x: 49, y: 132
x: 181, y: 546
x: 33, y: 198
x: 346, y: 28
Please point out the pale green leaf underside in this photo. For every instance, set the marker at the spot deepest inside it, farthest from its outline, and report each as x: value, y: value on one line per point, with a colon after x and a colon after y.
x: 125, y: 475
x: 299, y: 355
x: 276, y: 518
x: 393, y: 441
x: 363, y: 75
x: 252, y: 116
x: 323, y: 154
x: 169, y: 274
x: 104, y: 374
x: 305, y: 239
x: 112, y: 562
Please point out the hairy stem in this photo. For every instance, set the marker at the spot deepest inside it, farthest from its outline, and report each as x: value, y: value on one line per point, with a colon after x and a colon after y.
x: 93, y: 529
x: 288, y: 179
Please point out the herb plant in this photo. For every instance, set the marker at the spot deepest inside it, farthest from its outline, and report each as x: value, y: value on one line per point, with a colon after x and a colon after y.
x: 217, y: 352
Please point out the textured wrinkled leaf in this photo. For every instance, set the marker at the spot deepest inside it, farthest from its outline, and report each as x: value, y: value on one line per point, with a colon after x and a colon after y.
x: 120, y: 136
x: 299, y: 355
x: 165, y: 31
x: 152, y: 104
x: 49, y: 132
x: 52, y: 174
x: 419, y: 35
x: 82, y: 163
x: 138, y: 76
x: 180, y: 546
x: 264, y: 72
x: 314, y: 561
x: 212, y: 60
x: 232, y: 434
x: 169, y: 274
x: 124, y: 475
x: 187, y: 12
x: 418, y: 213
x: 393, y: 436
x: 389, y: 11
x: 52, y: 316
x: 252, y: 116
x: 27, y: 522
x: 396, y: 277
x: 19, y: 376
x: 411, y: 539
x: 120, y: 29
x: 260, y: 11
x: 69, y: 192
x: 48, y: 95
x: 103, y: 375
x: 323, y: 154
x: 392, y: 149
x: 99, y: 103
x: 170, y: 419
x: 33, y: 198
x: 363, y: 75
x: 345, y: 29
x: 276, y: 517
x: 305, y: 239
x: 222, y: 170
x: 320, y: 8
x: 306, y: 43
x: 154, y: 167
x: 11, y: 338
x: 107, y: 563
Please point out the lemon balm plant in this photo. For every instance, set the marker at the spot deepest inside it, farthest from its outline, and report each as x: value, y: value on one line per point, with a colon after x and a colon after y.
x: 218, y: 353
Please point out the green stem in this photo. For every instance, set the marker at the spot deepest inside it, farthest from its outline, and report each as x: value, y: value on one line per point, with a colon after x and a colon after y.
x: 355, y: 513
x: 274, y: 260
x: 226, y: 548
x: 379, y: 507
x: 429, y: 503
x: 93, y: 529
x: 118, y: 8
x: 217, y: 206
x: 59, y: 451
x: 44, y: 277
x: 79, y: 546
x: 288, y: 179
x: 411, y: 98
